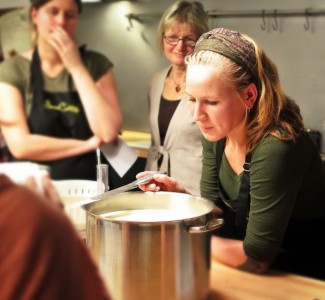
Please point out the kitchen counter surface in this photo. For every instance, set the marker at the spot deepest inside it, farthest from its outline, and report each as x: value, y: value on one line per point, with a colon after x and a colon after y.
x: 230, y: 284
x: 139, y: 141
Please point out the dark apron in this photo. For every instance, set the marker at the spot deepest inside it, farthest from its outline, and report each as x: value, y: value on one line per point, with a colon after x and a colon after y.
x: 60, y: 115
x: 235, y: 211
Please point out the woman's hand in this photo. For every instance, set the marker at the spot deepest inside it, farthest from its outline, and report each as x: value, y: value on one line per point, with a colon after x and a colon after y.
x: 67, y: 49
x: 161, y: 182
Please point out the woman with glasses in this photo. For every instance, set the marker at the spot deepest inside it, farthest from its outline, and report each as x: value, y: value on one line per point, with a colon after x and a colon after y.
x: 175, y: 138
x: 58, y: 101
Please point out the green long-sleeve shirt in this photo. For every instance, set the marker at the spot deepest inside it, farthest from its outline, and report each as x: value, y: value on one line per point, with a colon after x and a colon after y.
x: 287, y: 182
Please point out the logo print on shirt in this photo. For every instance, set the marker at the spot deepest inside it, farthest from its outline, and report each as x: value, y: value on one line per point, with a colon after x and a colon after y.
x: 62, y: 106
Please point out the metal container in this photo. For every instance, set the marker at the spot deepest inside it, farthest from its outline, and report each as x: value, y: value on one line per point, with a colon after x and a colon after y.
x: 152, y: 245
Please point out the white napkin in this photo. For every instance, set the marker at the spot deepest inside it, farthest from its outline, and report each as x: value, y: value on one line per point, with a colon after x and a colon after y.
x: 18, y: 172
x: 119, y: 155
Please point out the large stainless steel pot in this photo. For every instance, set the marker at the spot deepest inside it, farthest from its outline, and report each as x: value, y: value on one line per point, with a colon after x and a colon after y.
x: 152, y: 245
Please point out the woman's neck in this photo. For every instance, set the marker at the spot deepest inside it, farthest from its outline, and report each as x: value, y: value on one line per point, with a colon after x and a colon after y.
x: 51, y: 62
x: 177, y: 78
x: 235, y: 151
x: 238, y: 136
x: 178, y: 73
x: 47, y: 53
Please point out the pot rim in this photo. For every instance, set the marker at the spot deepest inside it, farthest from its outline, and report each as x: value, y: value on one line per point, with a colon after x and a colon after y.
x: 210, y: 206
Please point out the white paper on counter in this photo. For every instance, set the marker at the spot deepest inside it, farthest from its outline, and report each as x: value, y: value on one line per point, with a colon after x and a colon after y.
x: 119, y: 155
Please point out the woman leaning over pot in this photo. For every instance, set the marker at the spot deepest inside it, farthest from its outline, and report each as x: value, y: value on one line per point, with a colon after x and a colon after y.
x: 58, y: 101
x: 260, y: 166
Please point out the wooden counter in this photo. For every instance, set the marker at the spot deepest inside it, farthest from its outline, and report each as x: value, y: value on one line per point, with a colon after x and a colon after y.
x: 231, y: 284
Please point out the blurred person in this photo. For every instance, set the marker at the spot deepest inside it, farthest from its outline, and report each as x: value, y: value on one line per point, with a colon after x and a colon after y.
x: 58, y: 101
x: 175, y: 138
x: 41, y: 254
x: 260, y: 166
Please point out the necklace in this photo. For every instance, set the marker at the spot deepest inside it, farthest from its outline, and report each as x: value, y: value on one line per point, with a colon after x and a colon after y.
x: 178, y: 86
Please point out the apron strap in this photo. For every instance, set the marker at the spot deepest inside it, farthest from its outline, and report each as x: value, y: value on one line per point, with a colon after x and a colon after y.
x: 244, y: 195
x: 36, y: 77
x: 219, y: 151
x: 243, y: 199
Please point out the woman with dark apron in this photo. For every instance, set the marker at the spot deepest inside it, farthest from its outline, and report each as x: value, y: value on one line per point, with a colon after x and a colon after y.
x: 58, y: 101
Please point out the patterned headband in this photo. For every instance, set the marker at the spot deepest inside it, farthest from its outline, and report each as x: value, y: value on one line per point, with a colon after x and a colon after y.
x: 230, y: 44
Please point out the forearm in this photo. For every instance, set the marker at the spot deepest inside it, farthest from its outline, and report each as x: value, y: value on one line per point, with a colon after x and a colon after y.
x: 100, y: 103
x: 231, y: 252
x: 43, y: 148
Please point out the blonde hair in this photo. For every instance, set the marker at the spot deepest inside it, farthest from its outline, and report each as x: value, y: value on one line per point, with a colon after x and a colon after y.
x: 273, y: 112
x: 184, y: 12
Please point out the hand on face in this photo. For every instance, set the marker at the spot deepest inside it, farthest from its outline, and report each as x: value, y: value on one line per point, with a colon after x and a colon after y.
x: 66, y: 47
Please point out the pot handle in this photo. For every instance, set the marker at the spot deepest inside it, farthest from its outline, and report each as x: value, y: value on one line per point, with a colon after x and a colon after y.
x: 209, y: 226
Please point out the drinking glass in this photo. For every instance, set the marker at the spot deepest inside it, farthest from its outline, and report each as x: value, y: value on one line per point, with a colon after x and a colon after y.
x: 102, y: 178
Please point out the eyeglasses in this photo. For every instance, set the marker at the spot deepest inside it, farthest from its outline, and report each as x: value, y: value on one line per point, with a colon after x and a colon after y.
x: 173, y: 40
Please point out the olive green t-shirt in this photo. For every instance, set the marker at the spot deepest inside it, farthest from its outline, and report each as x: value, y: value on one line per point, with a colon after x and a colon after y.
x: 287, y: 182
x: 16, y: 71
